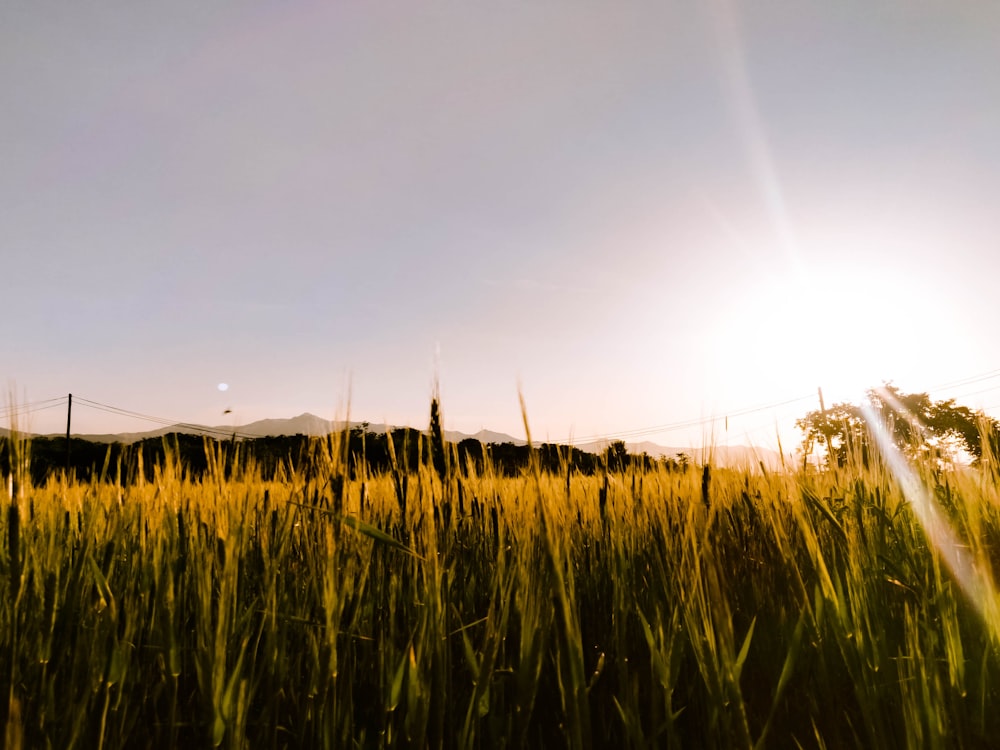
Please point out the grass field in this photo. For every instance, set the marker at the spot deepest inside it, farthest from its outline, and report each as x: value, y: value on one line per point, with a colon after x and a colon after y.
x: 451, y: 607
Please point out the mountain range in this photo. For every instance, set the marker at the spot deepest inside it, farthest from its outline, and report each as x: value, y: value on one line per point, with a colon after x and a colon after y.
x: 312, y: 425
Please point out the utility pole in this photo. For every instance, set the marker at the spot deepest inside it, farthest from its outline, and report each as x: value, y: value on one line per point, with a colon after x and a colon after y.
x: 69, y: 414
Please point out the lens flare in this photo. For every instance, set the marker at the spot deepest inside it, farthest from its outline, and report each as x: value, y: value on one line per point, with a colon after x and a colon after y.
x: 752, y: 130
x: 972, y: 575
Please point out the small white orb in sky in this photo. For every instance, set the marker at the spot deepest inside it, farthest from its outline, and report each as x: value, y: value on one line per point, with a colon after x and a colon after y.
x: 223, y: 386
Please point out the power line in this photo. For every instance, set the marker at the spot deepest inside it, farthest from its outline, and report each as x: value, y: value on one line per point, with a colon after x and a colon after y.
x: 30, y: 404
x: 977, y: 393
x: 967, y: 381
x: 60, y: 403
x: 124, y: 412
x: 674, y: 426
x: 12, y: 410
x: 686, y: 424
x: 211, y: 431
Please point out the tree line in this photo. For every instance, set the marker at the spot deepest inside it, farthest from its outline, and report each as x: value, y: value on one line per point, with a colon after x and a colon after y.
x: 275, y: 456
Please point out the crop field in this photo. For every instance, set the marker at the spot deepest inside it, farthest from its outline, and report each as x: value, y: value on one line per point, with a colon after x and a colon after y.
x: 452, y: 606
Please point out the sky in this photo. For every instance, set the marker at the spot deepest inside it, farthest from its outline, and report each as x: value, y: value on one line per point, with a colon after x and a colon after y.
x: 641, y: 216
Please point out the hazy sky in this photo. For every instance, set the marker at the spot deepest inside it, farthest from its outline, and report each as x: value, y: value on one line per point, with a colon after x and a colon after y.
x: 644, y: 213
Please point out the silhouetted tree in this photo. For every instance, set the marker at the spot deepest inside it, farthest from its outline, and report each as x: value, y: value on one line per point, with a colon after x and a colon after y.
x: 916, y: 423
x: 470, y: 452
x: 616, y: 456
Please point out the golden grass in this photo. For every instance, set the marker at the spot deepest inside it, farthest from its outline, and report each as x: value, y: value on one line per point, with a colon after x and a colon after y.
x: 446, y: 608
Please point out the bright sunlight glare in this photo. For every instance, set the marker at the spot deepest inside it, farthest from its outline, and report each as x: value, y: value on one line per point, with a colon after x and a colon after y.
x: 833, y: 326
x: 972, y: 577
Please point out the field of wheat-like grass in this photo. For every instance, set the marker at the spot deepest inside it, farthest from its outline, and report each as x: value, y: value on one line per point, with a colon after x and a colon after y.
x: 455, y: 607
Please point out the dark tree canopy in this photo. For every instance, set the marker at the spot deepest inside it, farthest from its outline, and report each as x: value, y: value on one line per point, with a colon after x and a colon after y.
x: 917, y: 424
x: 616, y: 455
x: 366, y: 452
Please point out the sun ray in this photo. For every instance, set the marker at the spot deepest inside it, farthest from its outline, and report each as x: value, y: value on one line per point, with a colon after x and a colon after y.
x: 971, y: 576
x: 753, y: 133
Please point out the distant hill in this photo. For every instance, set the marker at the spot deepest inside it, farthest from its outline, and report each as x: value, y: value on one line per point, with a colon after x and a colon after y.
x: 304, y: 424
x: 485, y: 437
x: 312, y: 425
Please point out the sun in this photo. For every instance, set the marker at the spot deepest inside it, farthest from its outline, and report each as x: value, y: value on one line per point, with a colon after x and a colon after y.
x: 844, y: 328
